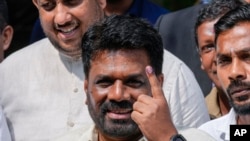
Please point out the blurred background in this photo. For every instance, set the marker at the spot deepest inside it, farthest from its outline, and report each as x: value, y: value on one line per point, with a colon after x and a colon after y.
x: 174, y: 5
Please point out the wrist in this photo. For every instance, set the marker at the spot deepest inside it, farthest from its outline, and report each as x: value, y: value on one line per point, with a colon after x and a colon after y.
x: 177, y: 137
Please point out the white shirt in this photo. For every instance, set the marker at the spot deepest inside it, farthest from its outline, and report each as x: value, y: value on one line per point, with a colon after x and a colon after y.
x: 4, y: 130
x: 41, y: 91
x: 91, y: 134
x: 219, y: 128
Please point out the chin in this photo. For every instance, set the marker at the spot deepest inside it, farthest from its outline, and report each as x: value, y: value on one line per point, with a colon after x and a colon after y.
x: 242, y: 107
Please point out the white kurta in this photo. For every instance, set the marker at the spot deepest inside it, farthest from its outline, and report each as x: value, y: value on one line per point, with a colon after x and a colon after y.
x: 41, y: 91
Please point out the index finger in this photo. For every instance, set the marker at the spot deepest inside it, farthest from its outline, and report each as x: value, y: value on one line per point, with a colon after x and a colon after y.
x: 156, y: 87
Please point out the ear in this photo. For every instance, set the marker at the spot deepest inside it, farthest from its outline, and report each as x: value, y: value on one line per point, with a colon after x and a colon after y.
x: 35, y: 2
x: 7, y: 34
x: 161, y: 79
x: 85, y: 86
x: 102, y: 3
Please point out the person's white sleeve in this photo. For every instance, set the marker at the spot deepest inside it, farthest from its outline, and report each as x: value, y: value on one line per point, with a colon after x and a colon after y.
x: 185, y: 98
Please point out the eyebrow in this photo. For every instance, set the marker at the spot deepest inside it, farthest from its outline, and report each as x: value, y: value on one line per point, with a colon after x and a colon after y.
x: 136, y: 75
x: 244, y: 50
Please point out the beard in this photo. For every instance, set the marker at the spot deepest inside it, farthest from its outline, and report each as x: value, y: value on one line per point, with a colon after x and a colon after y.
x: 117, y: 128
x: 239, y: 109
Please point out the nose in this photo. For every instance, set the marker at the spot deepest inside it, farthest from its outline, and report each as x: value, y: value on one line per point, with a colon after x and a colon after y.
x: 118, y: 92
x: 237, y: 70
x: 62, y: 14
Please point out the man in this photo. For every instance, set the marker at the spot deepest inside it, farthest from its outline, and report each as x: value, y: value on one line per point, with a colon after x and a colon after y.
x: 6, y: 31
x: 177, y: 31
x: 46, y: 93
x: 123, y: 80
x: 140, y: 8
x: 232, y: 48
x: 217, y: 101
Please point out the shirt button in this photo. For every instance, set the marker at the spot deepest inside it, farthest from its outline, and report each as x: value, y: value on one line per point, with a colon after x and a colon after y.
x: 76, y: 90
x: 70, y: 124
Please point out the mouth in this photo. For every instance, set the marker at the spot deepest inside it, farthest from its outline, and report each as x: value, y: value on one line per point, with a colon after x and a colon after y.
x: 67, y: 32
x: 240, y: 94
x: 119, y: 114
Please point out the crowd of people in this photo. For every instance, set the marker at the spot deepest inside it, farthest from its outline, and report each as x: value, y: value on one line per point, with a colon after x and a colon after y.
x: 126, y: 70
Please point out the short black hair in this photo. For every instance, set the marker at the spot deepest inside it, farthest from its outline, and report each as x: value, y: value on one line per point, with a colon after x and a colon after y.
x: 234, y: 17
x: 3, y: 14
x: 212, y: 11
x: 118, y: 32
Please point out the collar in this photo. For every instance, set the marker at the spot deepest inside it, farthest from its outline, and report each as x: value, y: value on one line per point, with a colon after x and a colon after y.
x: 230, y: 119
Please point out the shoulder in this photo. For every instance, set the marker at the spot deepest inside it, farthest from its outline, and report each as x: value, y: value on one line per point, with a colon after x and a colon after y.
x: 29, y: 53
x: 171, y: 62
x: 36, y: 47
x: 189, y: 10
x: 217, y: 123
x: 219, y: 127
x: 169, y: 19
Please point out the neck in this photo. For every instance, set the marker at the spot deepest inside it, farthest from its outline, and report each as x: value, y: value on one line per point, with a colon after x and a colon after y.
x: 243, y: 120
x: 119, y: 7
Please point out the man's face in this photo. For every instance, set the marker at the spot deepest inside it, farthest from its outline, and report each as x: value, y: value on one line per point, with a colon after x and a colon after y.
x: 65, y: 21
x: 205, y: 34
x: 233, y: 65
x: 115, y: 81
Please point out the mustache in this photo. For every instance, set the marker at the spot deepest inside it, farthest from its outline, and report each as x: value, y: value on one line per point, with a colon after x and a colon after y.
x: 236, y: 86
x: 114, y: 105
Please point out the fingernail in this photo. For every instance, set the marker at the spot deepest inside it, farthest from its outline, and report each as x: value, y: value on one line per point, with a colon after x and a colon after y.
x: 149, y: 69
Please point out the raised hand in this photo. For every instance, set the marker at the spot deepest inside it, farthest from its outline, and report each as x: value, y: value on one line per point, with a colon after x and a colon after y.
x: 152, y: 113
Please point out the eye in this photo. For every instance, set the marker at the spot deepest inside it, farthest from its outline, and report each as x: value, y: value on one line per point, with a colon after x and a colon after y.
x: 207, y: 48
x: 222, y: 61
x: 104, y: 83
x: 134, y: 83
x: 48, y: 5
x: 72, y: 2
x: 245, y: 57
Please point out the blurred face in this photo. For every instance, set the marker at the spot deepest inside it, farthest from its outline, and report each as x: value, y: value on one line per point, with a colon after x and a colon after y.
x: 207, y: 50
x: 65, y: 21
x: 115, y: 81
x: 233, y: 65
